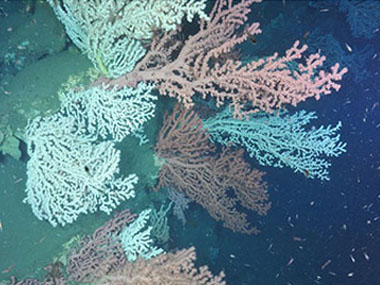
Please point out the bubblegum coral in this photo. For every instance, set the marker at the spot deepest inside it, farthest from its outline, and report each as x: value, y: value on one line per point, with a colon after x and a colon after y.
x: 191, y: 167
x: 169, y: 269
x: 96, y: 255
x: 201, y: 65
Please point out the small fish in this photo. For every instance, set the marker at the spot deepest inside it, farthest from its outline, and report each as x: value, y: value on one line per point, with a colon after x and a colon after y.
x: 295, y: 238
x: 366, y: 256
x: 232, y: 255
x: 18, y: 180
x: 28, y: 8
x: 352, y: 258
x: 291, y: 260
x: 324, y: 265
x: 348, y: 47
x: 1, y: 226
x: 347, y: 102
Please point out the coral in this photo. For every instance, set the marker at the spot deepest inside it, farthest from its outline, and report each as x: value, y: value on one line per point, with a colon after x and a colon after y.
x: 142, y: 18
x: 191, y: 167
x: 358, y: 60
x: 159, y: 222
x: 280, y: 140
x: 69, y: 174
x: 169, y: 269
x: 111, y: 112
x: 136, y: 239
x: 110, y: 32
x: 181, y: 203
x: 97, y: 254
x: 200, y: 66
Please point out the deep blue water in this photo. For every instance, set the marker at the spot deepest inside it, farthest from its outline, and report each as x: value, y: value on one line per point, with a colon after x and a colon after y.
x: 316, y: 232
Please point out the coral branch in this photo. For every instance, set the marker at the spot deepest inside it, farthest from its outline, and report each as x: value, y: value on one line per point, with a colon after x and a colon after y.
x: 190, y: 167
x: 201, y: 65
x: 170, y: 269
x: 96, y: 255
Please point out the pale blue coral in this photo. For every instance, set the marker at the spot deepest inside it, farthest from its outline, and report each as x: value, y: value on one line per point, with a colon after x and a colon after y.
x: 111, y: 32
x: 281, y: 140
x: 70, y: 174
x: 105, y: 111
x: 136, y: 239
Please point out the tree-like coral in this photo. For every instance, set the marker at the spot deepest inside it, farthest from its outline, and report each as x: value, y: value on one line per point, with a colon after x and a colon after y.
x: 280, y: 140
x: 165, y: 269
x: 114, y: 112
x: 97, y: 254
x: 201, y: 65
x: 191, y: 166
x: 69, y: 173
x: 111, y: 32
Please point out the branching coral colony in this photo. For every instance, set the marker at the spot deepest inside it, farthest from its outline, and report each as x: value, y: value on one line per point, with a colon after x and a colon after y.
x: 138, y: 47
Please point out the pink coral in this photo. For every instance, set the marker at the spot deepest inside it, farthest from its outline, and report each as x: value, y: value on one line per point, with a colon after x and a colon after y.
x: 96, y: 255
x: 191, y: 167
x: 202, y: 64
x: 169, y: 269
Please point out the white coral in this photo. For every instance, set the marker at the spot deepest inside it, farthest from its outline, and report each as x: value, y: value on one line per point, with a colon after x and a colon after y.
x: 104, y: 111
x: 69, y: 174
x: 136, y: 239
x: 110, y: 32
